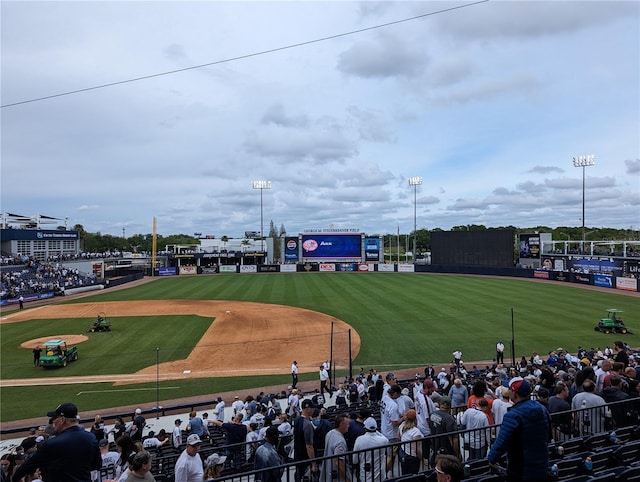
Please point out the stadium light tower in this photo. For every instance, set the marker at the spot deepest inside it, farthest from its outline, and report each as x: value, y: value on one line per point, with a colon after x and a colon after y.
x: 583, y: 162
x: 415, y: 181
x: 262, y: 185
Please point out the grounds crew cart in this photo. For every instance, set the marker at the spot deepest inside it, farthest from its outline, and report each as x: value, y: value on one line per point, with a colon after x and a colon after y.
x: 612, y: 323
x: 56, y: 353
x: 101, y: 323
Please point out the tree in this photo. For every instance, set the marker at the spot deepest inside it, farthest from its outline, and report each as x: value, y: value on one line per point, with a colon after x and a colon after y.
x: 273, y: 233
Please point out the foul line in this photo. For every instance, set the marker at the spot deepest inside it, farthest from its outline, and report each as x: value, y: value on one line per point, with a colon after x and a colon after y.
x: 126, y: 390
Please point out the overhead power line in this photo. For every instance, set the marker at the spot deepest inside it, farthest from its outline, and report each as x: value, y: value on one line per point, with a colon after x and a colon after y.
x: 241, y: 57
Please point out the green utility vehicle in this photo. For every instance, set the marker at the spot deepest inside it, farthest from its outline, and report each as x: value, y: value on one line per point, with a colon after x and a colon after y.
x: 101, y: 323
x: 613, y: 323
x: 56, y: 353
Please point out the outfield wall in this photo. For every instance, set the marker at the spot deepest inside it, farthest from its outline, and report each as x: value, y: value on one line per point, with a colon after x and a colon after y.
x: 626, y: 283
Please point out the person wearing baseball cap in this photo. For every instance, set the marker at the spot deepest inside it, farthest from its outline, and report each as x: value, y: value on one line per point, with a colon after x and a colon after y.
x: 189, y: 467
x: 371, y: 452
x: 524, y: 436
x: 71, y: 455
x: 303, y: 449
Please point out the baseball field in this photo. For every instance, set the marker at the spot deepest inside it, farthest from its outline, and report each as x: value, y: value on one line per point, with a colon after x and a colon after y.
x: 176, y: 337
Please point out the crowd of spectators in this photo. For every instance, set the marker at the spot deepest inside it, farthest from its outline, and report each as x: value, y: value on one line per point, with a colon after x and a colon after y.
x: 31, y: 276
x: 565, y: 383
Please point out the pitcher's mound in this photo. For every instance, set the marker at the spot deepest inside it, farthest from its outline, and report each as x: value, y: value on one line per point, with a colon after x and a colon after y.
x: 70, y: 339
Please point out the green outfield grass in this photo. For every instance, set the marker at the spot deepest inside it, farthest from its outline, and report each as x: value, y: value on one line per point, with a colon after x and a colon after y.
x: 403, y: 320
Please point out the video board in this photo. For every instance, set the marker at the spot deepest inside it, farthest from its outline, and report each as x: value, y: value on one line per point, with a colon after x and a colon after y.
x: 332, y: 247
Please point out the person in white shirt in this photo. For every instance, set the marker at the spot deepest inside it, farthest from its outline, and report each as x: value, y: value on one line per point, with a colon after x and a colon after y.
x: 153, y: 442
x: 324, y: 380
x: 109, y: 461
x: 285, y: 427
x: 294, y: 374
x: 293, y: 407
x: 218, y: 411
x: 373, y: 463
x: 237, y: 405
x: 500, y: 406
x: 189, y: 467
x: 500, y: 352
x: 390, y: 416
x: 176, y: 435
x: 404, y: 401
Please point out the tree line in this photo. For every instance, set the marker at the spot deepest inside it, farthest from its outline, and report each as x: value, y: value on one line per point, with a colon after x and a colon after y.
x: 98, y: 242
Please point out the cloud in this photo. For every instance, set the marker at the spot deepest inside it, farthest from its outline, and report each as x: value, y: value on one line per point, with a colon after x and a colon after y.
x: 382, y: 57
x: 633, y: 167
x: 545, y: 169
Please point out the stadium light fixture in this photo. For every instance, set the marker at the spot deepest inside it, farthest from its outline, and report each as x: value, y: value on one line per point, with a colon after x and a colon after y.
x: 262, y: 185
x: 583, y: 162
x: 415, y: 181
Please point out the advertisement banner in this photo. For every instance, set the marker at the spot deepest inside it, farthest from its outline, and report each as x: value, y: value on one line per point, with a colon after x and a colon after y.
x: 585, y: 279
x: 631, y: 269
x: 561, y: 276
x: 291, y: 249
x: 366, y: 268
x: 210, y: 269
x: 35, y: 297
x: 188, y: 270
x: 346, y: 267
x: 603, y: 280
x: 268, y: 268
x: 406, y: 268
x: 309, y: 267
x: 372, y: 255
x: 339, y: 247
x: 529, y: 246
x: 288, y: 268
x: 231, y: 268
x: 583, y: 264
x: 248, y: 268
x: 327, y: 267
x: 171, y: 271
x: 627, y: 284
x: 541, y: 274
x: 386, y: 268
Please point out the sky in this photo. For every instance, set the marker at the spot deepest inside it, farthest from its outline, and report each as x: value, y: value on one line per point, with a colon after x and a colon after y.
x: 487, y: 102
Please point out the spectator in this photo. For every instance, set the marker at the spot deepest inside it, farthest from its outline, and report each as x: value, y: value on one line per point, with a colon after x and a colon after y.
x: 375, y: 458
x: 213, y: 466
x: 267, y: 458
x: 449, y: 468
x: 188, y: 467
x: 71, y: 455
x: 524, y: 436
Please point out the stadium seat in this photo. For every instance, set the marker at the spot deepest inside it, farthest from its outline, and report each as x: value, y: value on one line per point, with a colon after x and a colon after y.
x: 479, y: 467
x: 624, y: 434
x: 627, y: 454
x: 603, y: 477
x: 629, y: 475
x: 601, y: 459
x: 572, y: 446
x: 569, y: 467
x: 598, y: 441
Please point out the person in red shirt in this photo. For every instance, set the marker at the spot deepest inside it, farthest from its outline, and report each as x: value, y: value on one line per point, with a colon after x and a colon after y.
x: 479, y: 392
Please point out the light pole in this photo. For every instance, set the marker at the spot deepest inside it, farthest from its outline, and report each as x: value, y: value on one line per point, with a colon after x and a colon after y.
x: 583, y: 162
x: 262, y: 185
x: 415, y: 181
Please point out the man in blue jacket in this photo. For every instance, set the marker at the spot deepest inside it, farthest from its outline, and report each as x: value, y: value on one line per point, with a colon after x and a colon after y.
x: 70, y: 456
x: 524, y: 436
